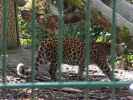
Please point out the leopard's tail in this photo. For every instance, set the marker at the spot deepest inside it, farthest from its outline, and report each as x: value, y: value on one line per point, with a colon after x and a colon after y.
x: 22, y: 70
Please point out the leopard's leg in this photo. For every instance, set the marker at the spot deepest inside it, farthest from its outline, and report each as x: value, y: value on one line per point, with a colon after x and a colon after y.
x: 81, y: 67
x: 104, y: 66
x: 102, y: 61
x: 107, y: 70
x: 81, y: 70
x: 52, y: 71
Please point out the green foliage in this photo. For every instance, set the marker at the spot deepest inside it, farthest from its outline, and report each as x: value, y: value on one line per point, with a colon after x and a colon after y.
x: 25, y: 36
x: 25, y: 32
x: 25, y: 41
x: 73, y: 30
x: 99, y: 35
x: 76, y: 3
x: 131, y: 1
x: 130, y: 57
x: 104, y: 37
x: 22, y: 25
x: 123, y: 34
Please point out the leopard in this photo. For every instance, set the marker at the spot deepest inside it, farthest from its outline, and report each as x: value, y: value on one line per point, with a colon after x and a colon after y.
x: 73, y: 54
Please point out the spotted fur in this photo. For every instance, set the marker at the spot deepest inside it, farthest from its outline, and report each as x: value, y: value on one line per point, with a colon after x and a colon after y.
x: 73, y: 54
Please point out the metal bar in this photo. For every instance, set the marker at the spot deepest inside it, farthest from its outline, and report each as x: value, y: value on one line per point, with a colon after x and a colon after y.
x: 4, y: 35
x: 16, y: 21
x: 113, y: 43
x: 60, y: 4
x: 73, y: 84
x: 33, y: 39
x: 87, y: 35
x: 33, y: 45
x: 87, y: 39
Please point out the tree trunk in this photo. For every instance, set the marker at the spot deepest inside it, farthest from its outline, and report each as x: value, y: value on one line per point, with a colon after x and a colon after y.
x: 12, y: 36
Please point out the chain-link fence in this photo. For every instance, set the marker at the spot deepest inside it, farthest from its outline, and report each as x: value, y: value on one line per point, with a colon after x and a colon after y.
x: 92, y: 86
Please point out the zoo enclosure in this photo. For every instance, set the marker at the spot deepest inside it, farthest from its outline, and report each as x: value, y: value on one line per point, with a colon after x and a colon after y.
x: 59, y: 84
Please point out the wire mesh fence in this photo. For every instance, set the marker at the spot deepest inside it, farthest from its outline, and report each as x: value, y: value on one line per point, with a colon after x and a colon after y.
x: 87, y: 84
